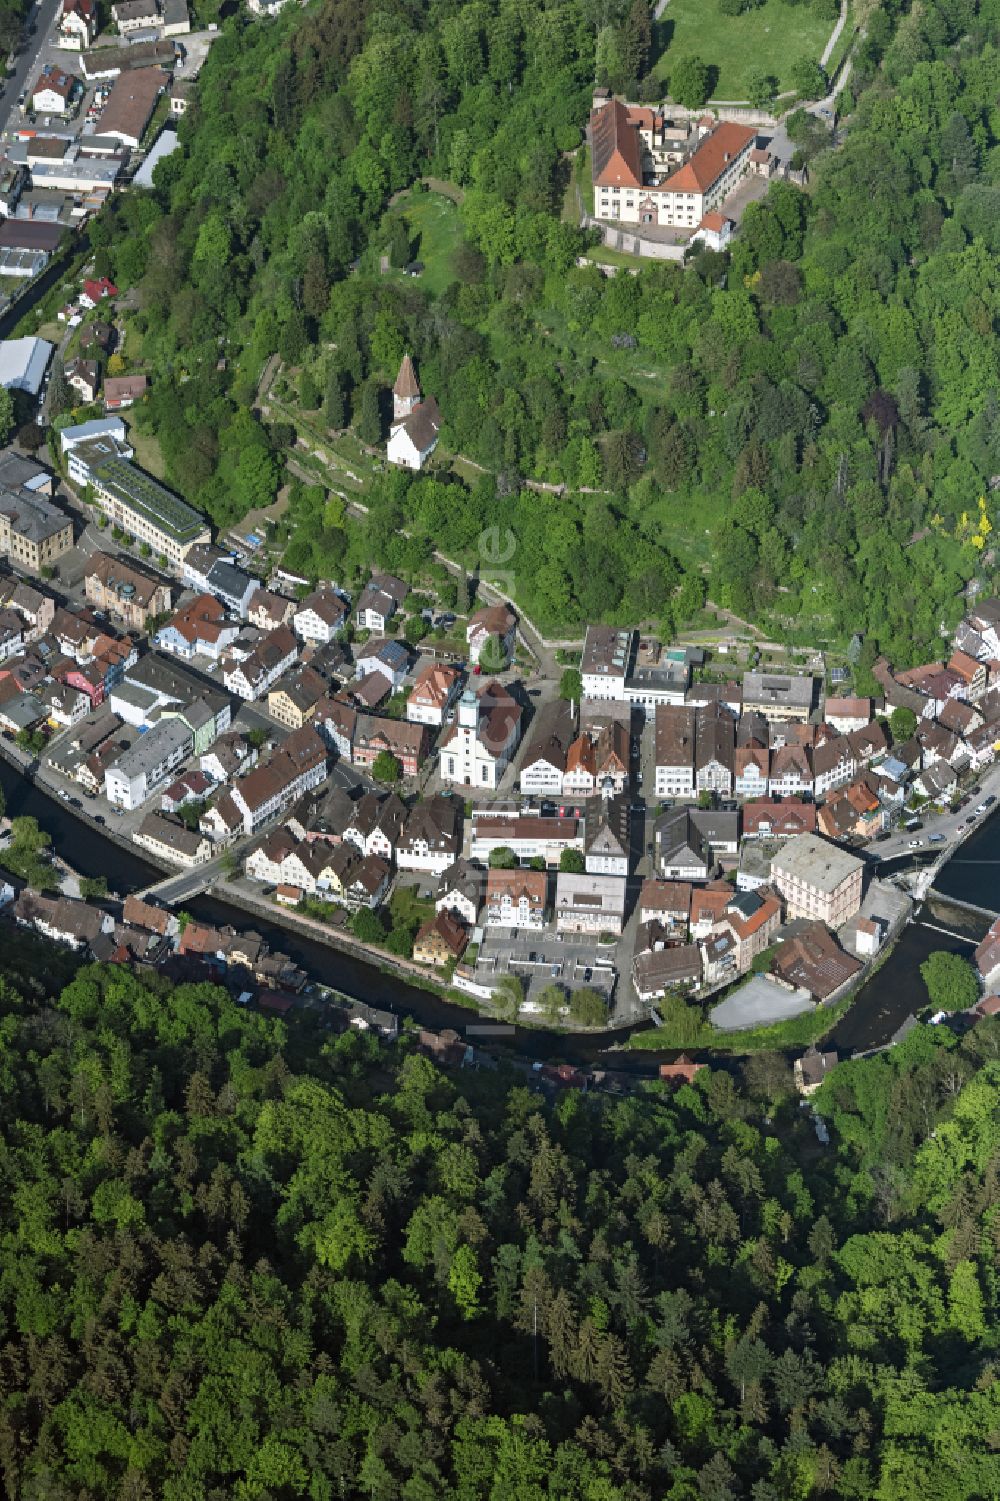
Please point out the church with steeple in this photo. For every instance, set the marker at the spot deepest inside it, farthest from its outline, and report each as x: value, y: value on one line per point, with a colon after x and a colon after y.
x: 416, y: 420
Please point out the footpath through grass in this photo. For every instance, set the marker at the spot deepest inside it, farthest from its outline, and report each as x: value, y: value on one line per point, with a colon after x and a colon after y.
x: 771, y: 39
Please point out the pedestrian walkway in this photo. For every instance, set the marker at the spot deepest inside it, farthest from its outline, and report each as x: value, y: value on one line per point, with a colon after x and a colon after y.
x: 834, y: 35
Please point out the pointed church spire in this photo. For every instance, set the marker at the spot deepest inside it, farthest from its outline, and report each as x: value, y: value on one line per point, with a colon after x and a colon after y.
x: 407, y: 385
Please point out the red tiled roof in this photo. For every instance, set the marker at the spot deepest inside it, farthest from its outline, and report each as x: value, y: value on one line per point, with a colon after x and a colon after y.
x: 580, y: 756
x: 434, y: 685
x: 202, y: 620
x: 615, y: 145
x: 665, y: 896
x: 965, y: 666
x: 532, y: 884
x: 711, y: 159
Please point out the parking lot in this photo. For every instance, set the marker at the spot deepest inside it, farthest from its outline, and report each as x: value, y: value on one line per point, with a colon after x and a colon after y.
x: 547, y: 958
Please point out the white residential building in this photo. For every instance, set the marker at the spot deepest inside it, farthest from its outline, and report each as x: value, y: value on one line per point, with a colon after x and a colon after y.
x: 320, y: 617
x: 515, y: 899
x: 433, y: 694
x: 268, y: 790
x: 607, y: 658
x: 675, y: 751
x: 431, y: 837
x: 752, y: 767
x: 847, y: 714
x: 461, y: 889
x: 147, y: 764
x: 251, y: 676
x: 381, y: 597
x: 78, y: 25
x: 498, y: 621
x: 834, y: 765
x: 172, y: 840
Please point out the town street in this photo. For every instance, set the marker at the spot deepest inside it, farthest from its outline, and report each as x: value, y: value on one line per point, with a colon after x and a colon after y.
x: 39, y: 22
x: 954, y: 826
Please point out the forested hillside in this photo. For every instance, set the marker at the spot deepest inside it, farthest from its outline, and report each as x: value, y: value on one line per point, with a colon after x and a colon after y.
x: 239, y: 1262
x: 806, y: 430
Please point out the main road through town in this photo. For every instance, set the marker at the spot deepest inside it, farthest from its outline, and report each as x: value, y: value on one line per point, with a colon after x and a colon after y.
x: 39, y: 21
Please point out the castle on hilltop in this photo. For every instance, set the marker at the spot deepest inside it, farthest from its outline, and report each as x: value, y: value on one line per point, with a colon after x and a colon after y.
x: 652, y: 170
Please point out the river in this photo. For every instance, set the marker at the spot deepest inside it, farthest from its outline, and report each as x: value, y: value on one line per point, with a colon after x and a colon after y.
x: 896, y: 990
x: 973, y: 872
x: 92, y: 855
x: 971, y: 876
x: 883, y: 1003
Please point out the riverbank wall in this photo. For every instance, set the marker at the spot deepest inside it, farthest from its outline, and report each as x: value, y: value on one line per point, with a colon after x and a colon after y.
x: 28, y: 768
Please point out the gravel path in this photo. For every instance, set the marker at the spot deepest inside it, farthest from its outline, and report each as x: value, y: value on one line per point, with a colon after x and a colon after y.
x: 834, y: 36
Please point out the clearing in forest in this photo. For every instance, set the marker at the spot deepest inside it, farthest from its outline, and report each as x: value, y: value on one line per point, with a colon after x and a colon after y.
x: 770, y: 39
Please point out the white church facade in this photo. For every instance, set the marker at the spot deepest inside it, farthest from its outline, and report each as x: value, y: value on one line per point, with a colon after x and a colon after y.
x: 416, y: 421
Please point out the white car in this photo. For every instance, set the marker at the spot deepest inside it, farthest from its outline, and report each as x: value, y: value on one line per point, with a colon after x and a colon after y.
x: 915, y: 844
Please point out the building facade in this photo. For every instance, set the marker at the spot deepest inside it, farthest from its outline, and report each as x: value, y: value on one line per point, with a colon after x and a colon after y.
x: 818, y: 880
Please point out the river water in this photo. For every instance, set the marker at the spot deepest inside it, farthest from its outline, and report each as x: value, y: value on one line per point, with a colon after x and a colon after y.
x: 91, y: 854
x: 973, y: 872
x: 954, y: 917
x: 894, y: 992
x: 897, y: 991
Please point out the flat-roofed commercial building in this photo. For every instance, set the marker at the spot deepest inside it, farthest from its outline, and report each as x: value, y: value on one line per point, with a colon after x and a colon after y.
x: 147, y: 764
x: 779, y: 696
x: 589, y: 903
x: 137, y: 502
x: 531, y: 837
x: 23, y: 362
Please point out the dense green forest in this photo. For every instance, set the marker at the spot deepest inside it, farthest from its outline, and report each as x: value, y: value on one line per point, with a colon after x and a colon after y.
x: 805, y: 429
x: 248, y: 1260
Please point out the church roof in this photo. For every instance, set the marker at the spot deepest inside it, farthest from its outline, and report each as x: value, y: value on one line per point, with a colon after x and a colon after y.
x: 422, y: 425
x: 406, y: 380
